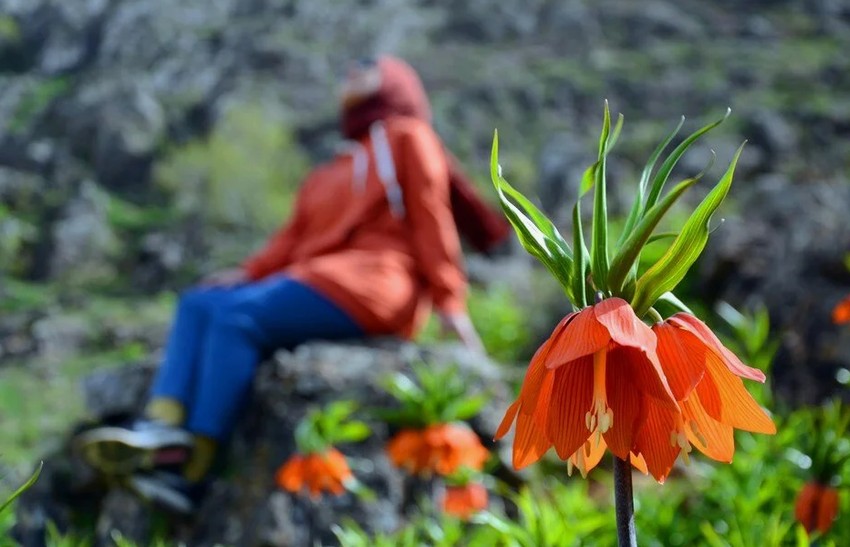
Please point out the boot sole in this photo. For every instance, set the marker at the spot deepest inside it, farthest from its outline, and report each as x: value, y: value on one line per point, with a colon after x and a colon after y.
x: 119, y: 451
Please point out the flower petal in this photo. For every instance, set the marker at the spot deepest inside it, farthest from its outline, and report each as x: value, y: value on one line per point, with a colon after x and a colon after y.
x: 626, y: 403
x: 653, y: 440
x: 712, y: 438
x: 507, y: 421
x: 690, y: 323
x: 645, y: 372
x: 638, y: 462
x: 828, y: 509
x: 588, y: 455
x: 530, y: 391
x: 738, y: 408
x: 580, y: 335
x: 805, y: 508
x: 682, y: 358
x: 841, y: 312
x: 290, y: 476
x: 624, y: 327
x: 709, y: 397
x: 572, y: 394
x: 530, y: 442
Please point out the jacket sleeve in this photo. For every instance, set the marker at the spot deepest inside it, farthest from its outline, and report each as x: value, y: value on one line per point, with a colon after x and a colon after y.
x: 277, y: 253
x: 423, y: 176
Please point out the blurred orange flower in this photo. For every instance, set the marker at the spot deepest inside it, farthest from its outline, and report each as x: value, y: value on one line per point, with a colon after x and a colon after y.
x: 816, y: 507
x: 440, y: 448
x: 599, y: 363
x: 464, y: 501
x: 317, y: 473
x: 841, y: 312
x: 705, y: 378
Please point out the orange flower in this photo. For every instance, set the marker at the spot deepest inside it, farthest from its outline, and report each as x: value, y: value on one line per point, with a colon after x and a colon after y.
x: 816, y: 507
x: 841, y: 312
x: 464, y: 501
x: 317, y: 473
x: 705, y: 378
x: 439, y: 448
x: 587, y: 383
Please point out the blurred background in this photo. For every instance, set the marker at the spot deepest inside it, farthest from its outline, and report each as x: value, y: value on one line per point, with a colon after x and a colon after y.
x: 146, y: 142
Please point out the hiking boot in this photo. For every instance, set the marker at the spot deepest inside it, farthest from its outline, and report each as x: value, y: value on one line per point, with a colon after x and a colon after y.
x: 145, y: 444
x: 169, y: 491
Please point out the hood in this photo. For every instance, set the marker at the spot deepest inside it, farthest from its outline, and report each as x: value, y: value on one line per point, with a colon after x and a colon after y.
x: 401, y: 94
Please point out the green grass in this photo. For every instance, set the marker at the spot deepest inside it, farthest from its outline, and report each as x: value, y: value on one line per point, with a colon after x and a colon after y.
x: 39, y: 400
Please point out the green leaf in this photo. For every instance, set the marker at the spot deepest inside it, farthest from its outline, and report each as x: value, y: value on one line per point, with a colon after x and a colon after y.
x: 671, y: 268
x: 409, y: 417
x: 672, y: 300
x: 580, y: 261
x: 536, y: 232
x: 663, y: 235
x: 615, y: 134
x: 403, y: 388
x: 637, y: 206
x: 669, y: 163
x: 351, y: 432
x: 465, y: 408
x: 587, y: 179
x: 23, y: 488
x: 599, y: 230
x: 634, y: 244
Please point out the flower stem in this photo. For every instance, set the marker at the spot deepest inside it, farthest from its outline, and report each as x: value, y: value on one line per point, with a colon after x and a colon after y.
x: 624, y: 503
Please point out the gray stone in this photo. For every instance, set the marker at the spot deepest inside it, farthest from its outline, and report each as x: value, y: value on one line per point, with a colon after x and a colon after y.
x: 121, y: 392
x: 786, y: 249
x: 131, y: 125
x: 244, y: 508
x: 83, y: 240
x: 59, y: 337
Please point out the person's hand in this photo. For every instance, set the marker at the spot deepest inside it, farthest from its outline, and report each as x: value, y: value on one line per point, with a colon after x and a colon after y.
x: 225, y: 278
x: 460, y: 325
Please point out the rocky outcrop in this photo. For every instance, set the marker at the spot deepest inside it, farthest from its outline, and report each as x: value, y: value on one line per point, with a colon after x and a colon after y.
x: 800, y: 277
x: 243, y: 506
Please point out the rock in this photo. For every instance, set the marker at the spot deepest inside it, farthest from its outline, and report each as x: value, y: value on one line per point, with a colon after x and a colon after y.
x: 16, y: 340
x: 771, y: 132
x: 786, y: 249
x: 561, y: 167
x: 59, y: 337
x: 243, y: 507
x: 111, y: 394
x: 131, y: 126
x: 82, y: 239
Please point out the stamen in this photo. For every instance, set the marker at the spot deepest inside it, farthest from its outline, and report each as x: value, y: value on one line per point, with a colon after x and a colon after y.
x: 600, y: 417
x: 696, y: 432
x: 581, y: 464
x: 678, y: 438
x: 569, y: 467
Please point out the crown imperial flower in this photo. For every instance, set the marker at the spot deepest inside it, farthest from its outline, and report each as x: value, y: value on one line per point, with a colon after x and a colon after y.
x: 605, y: 379
x: 317, y: 473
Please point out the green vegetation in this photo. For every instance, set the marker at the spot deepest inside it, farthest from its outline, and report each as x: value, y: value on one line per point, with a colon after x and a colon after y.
x: 243, y: 175
x: 15, y: 232
x: 33, y: 103
x: 749, y: 502
x: 500, y: 320
x: 43, y: 396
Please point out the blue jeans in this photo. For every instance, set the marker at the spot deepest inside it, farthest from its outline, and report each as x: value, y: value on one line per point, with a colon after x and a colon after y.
x: 220, y: 334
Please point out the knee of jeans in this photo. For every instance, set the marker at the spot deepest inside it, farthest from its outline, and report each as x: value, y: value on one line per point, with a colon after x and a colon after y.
x: 234, y: 320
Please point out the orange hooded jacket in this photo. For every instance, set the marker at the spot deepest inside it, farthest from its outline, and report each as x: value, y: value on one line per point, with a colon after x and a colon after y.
x: 381, y: 252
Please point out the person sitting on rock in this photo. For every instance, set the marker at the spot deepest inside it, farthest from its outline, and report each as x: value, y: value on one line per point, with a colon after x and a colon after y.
x: 370, y: 247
